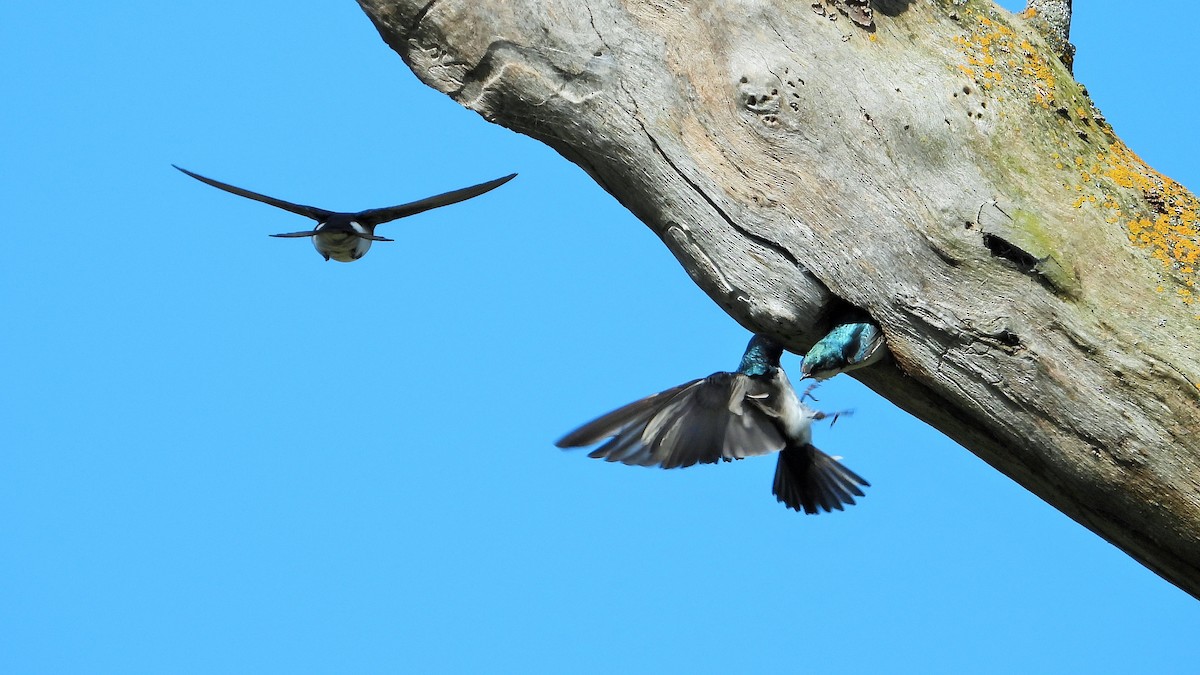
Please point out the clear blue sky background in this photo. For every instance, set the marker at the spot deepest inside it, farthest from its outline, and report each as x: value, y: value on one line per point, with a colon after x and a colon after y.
x: 220, y: 453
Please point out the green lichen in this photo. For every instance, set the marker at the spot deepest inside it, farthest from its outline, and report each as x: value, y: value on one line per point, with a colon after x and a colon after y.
x: 1033, y: 235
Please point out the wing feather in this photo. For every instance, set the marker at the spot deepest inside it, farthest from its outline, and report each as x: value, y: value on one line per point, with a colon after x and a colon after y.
x: 300, y: 209
x: 701, y: 422
x: 611, y: 423
x: 372, y: 217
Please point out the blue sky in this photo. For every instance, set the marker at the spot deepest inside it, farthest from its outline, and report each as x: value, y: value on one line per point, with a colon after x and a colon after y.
x: 221, y: 453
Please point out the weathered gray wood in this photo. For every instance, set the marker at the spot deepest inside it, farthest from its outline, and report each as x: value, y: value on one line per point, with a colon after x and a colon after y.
x: 938, y: 168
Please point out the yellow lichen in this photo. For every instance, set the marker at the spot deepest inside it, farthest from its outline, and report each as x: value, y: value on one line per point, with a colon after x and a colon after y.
x: 989, y: 42
x: 1164, y: 222
x: 1167, y: 225
x: 1157, y: 214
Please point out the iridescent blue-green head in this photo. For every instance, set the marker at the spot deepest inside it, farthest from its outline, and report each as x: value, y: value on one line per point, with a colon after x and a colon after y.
x: 761, y: 355
x: 847, y: 347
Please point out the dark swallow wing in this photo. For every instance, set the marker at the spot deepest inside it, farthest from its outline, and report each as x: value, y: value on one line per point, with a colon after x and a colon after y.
x: 866, y: 344
x: 372, y: 217
x: 701, y: 422
x: 294, y: 235
x: 308, y: 211
x: 853, y: 342
x: 809, y: 480
x: 310, y: 233
x: 863, y: 339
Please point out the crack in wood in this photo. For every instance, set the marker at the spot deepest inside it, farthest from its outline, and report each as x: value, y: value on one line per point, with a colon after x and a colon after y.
x: 592, y: 21
x: 416, y: 22
x: 757, y: 238
x: 752, y: 236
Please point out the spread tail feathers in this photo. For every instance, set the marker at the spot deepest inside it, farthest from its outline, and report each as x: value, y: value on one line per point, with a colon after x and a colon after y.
x: 810, y: 480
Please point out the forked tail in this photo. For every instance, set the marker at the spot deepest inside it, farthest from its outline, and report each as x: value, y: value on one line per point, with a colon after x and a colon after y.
x: 809, y: 480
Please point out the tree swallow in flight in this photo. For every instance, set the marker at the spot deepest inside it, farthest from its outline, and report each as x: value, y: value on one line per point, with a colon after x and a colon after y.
x: 346, y: 237
x: 728, y: 416
x: 847, y: 347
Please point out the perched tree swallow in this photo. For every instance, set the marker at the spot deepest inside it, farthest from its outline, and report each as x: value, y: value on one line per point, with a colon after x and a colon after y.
x: 728, y: 416
x: 848, y: 346
x: 346, y: 237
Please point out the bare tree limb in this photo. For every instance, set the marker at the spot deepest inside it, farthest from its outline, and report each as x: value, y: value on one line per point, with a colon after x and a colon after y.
x: 1052, y: 18
x: 936, y: 167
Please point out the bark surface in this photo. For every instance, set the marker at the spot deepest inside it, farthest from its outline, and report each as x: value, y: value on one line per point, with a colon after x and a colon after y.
x: 930, y: 162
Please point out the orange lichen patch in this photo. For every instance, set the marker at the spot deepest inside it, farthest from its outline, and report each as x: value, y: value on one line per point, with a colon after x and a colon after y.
x: 1157, y: 215
x: 1164, y: 222
x: 1040, y: 72
x: 1167, y: 226
x: 981, y: 45
x: 871, y: 37
x: 989, y: 42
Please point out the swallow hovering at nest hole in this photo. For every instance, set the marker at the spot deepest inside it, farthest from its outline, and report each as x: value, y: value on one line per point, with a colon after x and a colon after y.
x: 346, y: 237
x: 728, y: 416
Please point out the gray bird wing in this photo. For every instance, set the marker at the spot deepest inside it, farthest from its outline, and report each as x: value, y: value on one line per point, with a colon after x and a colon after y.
x: 308, y: 211
x: 373, y: 217
x: 700, y: 422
